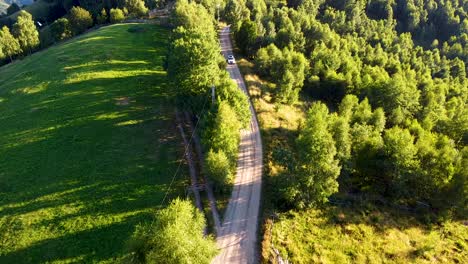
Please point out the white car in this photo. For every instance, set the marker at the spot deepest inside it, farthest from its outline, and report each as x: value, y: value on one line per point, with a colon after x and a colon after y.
x: 231, y: 60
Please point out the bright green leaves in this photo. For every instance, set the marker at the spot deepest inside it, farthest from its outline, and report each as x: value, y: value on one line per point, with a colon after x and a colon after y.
x: 176, y: 236
x: 25, y: 31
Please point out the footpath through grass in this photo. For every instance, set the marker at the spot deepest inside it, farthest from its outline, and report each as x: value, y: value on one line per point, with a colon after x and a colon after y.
x: 88, y: 145
x: 339, y: 234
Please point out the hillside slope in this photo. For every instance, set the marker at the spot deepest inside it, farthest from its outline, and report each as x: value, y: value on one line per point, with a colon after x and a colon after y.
x: 87, y: 145
x: 4, y: 4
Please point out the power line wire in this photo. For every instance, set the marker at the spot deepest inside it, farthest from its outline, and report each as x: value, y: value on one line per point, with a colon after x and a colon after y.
x: 185, y: 152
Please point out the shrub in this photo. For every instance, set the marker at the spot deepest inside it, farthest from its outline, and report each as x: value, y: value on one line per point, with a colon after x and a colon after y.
x: 61, y: 29
x: 176, y: 236
x: 80, y: 19
x: 116, y: 15
x: 136, y: 8
x: 102, y: 17
x: 218, y: 167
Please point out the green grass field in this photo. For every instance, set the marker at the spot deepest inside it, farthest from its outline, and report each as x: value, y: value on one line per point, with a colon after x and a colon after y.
x: 352, y: 235
x: 88, y: 145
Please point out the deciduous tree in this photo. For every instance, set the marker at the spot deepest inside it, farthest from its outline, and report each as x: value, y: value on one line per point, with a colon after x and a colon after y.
x: 136, y: 8
x: 317, y: 166
x: 61, y: 29
x: 116, y: 15
x: 80, y: 19
x: 10, y: 45
x: 26, y: 32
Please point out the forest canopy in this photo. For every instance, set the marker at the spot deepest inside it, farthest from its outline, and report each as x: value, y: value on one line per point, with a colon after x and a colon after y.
x: 389, y: 81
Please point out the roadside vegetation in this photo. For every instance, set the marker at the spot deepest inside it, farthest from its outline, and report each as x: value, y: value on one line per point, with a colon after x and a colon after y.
x: 365, y: 235
x: 359, y: 101
x: 176, y: 236
x: 195, y: 66
x: 88, y: 146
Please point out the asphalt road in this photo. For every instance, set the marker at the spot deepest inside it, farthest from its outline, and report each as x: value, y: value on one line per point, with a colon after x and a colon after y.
x: 237, y: 238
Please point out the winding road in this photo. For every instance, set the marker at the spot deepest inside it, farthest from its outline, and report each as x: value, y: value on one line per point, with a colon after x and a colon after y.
x: 237, y: 238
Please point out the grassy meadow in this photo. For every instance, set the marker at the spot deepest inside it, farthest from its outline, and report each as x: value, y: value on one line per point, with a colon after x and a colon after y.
x: 344, y: 235
x: 338, y: 234
x: 88, y: 145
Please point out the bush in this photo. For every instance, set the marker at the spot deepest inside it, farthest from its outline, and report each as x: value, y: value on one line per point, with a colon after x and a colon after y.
x: 61, y: 29
x: 136, y: 8
x: 176, y: 236
x: 80, y: 19
x: 218, y: 167
x: 116, y: 15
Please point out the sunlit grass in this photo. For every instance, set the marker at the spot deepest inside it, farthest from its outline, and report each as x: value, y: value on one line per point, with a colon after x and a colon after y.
x: 87, y: 146
x: 335, y: 235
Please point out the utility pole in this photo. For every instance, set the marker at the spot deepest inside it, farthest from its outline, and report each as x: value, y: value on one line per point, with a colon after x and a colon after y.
x: 213, y: 94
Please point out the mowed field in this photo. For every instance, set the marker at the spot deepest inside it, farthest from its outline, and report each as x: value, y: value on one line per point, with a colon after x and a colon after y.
x: 88, y: 145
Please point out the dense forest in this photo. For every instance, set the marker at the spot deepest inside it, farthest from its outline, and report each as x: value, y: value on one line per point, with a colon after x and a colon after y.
x: 387, y: 86
x: 47, y: 11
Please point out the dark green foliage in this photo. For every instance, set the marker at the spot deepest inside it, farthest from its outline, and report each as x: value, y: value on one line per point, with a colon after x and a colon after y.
x: 175, y: 236
x: 194, y: 52
x: 246, y: 36
x: 317, y: 167
x: 396, y: 72
x: 136, y: 8
x: 195, y: 66
x: 286, y: 69
x: 61, y: 29
x: 235, y: 12
x: 152, y: 4
x: 13, y: 8
x: 80, y: 20
x: 102, y: 18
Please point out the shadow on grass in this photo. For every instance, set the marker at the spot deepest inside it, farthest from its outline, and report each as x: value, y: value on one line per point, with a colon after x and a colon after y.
x: 82, y: 163
x: 78, y: 247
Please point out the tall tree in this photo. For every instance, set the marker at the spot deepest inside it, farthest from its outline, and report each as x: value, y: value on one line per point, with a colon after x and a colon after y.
x: 318, y: 167
x: 26, y: 32
x: 194, y: 52
x: 236, y: 12
x: 10, y: 45
x: 400, y: 161
x: 246, y: 36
